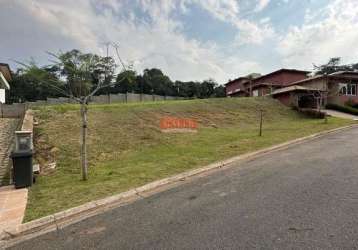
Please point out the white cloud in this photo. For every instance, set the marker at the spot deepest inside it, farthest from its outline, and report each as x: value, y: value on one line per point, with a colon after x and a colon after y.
x: 47, y: 25
x: 253, y: 34
x: 261, y: 4
x: 229, y: 11
x: 330, y: 33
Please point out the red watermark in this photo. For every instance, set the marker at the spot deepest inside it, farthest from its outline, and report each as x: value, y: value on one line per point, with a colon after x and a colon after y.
x: 174, y: 123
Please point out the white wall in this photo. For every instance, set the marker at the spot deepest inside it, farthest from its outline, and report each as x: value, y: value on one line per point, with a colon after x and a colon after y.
x: 2, y: 95
x: 255, y: 92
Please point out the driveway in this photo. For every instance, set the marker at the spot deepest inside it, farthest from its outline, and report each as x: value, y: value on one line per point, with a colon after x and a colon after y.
x: 304, y: 197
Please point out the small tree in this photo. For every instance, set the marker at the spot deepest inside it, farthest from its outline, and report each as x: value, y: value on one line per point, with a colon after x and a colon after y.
x: 84, y: 75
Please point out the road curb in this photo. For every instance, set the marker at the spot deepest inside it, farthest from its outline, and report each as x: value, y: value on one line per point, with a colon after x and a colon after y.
x: 61, y: 219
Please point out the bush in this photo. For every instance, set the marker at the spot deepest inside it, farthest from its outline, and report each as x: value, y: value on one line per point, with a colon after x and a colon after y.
x: 351, y: 103
x: 345, y: 109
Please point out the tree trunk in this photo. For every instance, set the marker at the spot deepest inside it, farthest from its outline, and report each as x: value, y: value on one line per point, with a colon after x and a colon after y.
x: 84, y: 163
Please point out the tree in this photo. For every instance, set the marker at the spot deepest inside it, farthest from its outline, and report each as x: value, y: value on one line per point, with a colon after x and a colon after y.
x: 126, y: 82
x: 154, y: 81
x: 29, y: 84
x: 219, y: 91
x: 333, y: 65
x: 206, y: 88
x: 83, y: 75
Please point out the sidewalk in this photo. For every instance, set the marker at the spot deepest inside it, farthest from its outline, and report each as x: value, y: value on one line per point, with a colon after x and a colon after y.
x: 339, y: 114
x: 12, y: 206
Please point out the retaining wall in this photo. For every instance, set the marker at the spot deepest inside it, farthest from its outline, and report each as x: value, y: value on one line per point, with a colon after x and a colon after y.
x: 16, y: 110
x: 7, y: 135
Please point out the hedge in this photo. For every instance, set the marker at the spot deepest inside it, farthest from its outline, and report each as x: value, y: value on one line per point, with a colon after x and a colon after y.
x: 345, y: 109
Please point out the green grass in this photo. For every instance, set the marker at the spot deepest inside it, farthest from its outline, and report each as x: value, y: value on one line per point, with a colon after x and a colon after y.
x: 127, y: 149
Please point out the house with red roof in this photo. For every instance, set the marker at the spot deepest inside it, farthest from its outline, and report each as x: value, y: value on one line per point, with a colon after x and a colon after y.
x: 260, y: 85
x: 297, y: 88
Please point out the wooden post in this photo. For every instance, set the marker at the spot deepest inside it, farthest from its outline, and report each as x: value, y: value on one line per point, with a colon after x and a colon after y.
x: 261, y: 111
x: 84, y: 163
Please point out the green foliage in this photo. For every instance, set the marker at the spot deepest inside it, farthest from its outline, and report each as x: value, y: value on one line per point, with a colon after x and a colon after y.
x: 83, y: 72
x: 77, y: 74
x: 334, y: 65
x: 33, y: 83
x: 125, y: 82
x: 345, y: 109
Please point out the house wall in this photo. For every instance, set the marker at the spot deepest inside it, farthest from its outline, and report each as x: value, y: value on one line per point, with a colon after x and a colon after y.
x: 284, y: 99
x: 282, y: 78
x: 2, y: 95
x: 233, y: 86
x: 320, y: 84
x: 287, y: 99
x: 332, y: 86
x: 262, y: 90
x: 265, y: 90
x: 335, y: 98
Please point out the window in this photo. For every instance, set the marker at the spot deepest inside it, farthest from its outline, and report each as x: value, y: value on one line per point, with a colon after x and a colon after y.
x: 348, y: 89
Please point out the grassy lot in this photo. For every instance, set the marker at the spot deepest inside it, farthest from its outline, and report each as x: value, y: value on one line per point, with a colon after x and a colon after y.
x: 127, y: 149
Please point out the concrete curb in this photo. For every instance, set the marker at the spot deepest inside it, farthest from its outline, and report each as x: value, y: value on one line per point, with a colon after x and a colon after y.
x: 61, y: 219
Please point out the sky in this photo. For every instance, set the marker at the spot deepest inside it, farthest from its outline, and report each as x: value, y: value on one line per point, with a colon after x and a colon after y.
x: 187, y: 39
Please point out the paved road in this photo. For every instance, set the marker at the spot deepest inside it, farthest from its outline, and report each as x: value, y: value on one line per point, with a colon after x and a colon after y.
x: 305, y: 197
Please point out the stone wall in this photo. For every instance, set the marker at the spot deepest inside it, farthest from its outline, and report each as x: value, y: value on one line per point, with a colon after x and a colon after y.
x: 7, y: 133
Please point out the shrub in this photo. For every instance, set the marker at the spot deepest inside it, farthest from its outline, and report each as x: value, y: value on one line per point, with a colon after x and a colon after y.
x: 345, y: 109
x: 351, y: 103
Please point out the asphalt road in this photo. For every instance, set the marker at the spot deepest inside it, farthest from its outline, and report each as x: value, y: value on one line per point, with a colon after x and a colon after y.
x: 304, y: 197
